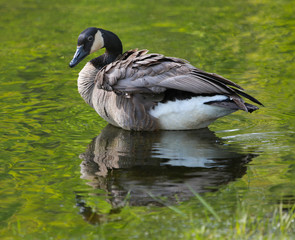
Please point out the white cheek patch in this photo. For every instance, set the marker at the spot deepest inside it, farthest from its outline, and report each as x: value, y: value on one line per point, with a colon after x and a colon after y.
x: 98, y: 42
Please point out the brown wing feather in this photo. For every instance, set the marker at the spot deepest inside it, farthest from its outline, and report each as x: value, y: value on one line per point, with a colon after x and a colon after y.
x: 138, y: 72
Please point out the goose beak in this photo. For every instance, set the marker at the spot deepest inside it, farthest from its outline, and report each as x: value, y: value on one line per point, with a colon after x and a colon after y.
x: 80, y: 54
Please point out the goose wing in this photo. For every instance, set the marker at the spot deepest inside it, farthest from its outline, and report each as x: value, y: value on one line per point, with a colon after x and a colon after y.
x: 138, y: 72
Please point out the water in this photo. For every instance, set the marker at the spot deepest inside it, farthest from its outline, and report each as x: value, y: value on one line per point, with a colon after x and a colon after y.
x: 66, y: 174
x: 161, y: 164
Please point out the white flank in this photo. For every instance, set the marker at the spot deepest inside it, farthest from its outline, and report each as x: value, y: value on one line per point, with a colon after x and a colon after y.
x: 98, y: 42
x: 189, y: 114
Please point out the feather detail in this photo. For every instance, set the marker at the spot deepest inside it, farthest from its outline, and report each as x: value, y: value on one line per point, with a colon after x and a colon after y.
x: 138, y: 72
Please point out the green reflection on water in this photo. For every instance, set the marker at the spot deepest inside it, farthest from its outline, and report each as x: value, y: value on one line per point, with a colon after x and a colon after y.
x: 45, y: 124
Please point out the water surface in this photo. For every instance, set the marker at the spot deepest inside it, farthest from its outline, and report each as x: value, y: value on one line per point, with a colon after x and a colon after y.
x: 66, y: 174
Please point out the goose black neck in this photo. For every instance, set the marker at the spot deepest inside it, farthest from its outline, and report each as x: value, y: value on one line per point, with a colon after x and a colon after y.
x: 112, y: 43
x: 113, y: 46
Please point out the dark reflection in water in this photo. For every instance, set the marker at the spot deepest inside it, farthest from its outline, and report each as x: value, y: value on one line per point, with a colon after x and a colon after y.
x: 149, y: 165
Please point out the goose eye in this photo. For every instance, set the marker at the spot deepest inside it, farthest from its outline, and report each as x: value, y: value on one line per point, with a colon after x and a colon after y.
x: 90, y: 38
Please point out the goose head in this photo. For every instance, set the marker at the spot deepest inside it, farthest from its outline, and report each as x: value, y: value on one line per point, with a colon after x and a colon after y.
x: 93, y: 39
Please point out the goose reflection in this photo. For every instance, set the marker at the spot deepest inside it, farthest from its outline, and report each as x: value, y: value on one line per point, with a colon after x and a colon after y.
x: 149, y: 165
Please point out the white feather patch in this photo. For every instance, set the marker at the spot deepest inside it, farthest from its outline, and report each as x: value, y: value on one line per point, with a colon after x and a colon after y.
x: 189, y: 114
x: 98, y: 42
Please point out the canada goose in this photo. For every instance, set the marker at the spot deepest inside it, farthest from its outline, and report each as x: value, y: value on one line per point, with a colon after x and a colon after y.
x: 146, y: 92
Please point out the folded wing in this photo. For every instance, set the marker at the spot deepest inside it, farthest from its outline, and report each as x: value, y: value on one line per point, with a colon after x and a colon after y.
x: 137, y: 72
